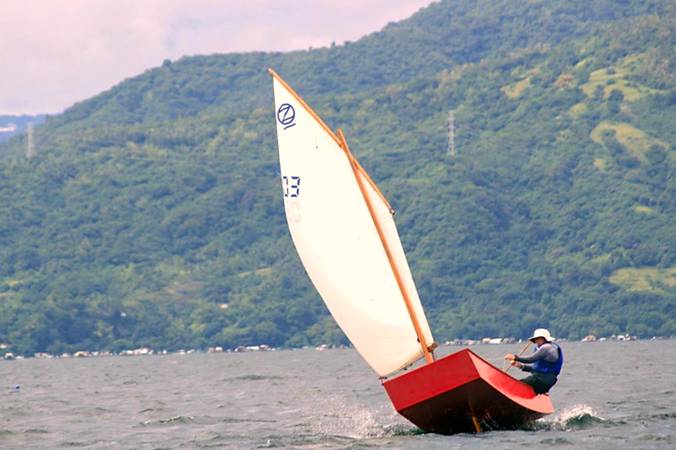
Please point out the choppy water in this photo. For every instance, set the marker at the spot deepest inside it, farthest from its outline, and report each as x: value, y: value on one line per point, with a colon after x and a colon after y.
x: 611, y: 395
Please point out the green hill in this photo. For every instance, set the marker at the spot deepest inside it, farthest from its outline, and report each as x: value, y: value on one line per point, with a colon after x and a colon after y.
x: 152, y: 213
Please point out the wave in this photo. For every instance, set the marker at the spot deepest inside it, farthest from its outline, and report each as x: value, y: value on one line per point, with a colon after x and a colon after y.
x: 580, y: 417
x: 576, y: 417
x: 239, y: 420
x: 36, y: 431
x: 171, y: 420
x: 253, y: 377
x: 353, y: 427
x: 657, y: 416
x: 401, y: 430
x: 357, y: 422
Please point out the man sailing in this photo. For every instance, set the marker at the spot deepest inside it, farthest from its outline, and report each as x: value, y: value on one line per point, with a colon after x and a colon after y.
x: 544, y: 364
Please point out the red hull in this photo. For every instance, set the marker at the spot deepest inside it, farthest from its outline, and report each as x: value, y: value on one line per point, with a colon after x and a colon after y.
x: 444, y: 396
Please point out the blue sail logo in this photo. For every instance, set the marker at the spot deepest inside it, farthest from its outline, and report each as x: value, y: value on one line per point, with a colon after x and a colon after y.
x: 286, y: 115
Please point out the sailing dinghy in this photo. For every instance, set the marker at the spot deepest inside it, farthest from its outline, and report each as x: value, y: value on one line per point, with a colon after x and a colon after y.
x: 343, y: 229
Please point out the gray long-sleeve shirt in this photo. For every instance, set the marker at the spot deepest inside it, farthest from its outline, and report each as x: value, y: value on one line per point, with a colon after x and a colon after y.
x: 546, y: 351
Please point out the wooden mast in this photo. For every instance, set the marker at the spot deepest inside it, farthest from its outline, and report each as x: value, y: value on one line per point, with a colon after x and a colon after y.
x: 402, y: 288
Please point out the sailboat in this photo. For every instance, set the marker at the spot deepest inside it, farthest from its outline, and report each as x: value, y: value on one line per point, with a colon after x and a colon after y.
x: 344, y: 232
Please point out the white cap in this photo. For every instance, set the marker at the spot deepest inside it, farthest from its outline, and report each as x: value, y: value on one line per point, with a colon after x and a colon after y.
x: 543, y: 333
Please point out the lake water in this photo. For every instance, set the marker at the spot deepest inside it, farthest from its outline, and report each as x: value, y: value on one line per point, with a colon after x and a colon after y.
x: 610, y: 395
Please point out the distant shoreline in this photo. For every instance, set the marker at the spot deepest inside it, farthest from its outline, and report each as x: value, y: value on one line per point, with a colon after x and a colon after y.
x: 146, y: 351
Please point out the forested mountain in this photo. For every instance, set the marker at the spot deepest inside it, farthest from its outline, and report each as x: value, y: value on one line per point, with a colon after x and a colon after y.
x: 152, y: 213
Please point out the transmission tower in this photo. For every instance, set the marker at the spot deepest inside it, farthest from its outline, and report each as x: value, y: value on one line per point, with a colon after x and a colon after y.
x: 30, y: 147
x: 451, y: 134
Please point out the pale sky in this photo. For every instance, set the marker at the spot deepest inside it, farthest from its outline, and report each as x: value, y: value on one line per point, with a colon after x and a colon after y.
x: 57, y: 52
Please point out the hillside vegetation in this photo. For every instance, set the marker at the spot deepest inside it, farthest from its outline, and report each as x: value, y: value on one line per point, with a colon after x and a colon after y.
x: 152, y: 213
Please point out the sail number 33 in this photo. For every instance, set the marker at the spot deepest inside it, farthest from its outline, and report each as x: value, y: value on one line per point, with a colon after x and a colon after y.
x: 291, y: 186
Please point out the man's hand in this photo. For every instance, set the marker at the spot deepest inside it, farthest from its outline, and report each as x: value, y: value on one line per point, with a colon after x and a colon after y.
x: 517, y: 364
x: 510, y: 357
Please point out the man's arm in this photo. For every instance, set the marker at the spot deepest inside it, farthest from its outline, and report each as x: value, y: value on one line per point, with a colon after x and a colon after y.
x: 524, y: 367
x: 541, y: 353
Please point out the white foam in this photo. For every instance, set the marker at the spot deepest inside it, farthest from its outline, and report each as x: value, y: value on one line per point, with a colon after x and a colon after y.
x: 566, y: 419
x: 353, y: 421
x: 577, y: 411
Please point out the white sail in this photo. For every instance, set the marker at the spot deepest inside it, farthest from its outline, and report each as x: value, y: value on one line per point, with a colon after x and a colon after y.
x: 338, y: 243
